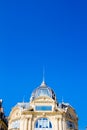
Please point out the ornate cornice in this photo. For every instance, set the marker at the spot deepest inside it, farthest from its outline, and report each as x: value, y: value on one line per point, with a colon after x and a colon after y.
x: 41, y: 113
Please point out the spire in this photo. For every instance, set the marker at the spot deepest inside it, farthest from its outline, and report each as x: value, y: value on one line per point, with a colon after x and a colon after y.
x: 43, y: 81
x: 43, y: 75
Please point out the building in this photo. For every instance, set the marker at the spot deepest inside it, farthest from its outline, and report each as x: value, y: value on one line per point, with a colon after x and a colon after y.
x: 3, y: 118
x: 43, y: 112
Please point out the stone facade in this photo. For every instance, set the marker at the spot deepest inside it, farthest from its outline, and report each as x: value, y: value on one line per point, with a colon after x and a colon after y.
x: 3, y: 119
x: 43, y: 112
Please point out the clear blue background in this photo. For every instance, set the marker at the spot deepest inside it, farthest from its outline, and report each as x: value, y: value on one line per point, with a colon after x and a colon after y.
x: 34, y: 33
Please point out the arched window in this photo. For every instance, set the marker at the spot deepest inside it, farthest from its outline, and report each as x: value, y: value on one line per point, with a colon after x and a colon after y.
x: 43, y: 123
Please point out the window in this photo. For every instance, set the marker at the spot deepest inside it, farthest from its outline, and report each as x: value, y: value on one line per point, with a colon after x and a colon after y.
x: 16, y: 124
x: 43, y: 123
x: 43, y: 108
x: 70, y: 125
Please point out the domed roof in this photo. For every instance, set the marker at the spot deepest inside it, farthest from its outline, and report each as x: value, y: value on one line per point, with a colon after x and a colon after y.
x: 43, y: 90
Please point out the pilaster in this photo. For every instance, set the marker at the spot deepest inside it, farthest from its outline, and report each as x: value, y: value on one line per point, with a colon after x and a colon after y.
x: 26, y: 124
x: 57, y: 123
x: 22, y: 124
x: 60, y: 124
x: 30, y: 123
x: 64, y: 124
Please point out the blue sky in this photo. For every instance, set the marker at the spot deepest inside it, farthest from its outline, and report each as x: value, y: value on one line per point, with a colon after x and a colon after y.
x: 50, y: 33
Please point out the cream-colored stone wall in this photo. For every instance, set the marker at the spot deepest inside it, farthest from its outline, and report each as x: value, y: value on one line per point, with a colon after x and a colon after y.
x: 28, y: 117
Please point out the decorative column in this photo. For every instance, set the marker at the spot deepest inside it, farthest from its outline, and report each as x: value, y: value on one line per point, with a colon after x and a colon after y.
x: 26, y: 124
x: 64, y: 124
x: 57, y: 123
x: 60, y: 124
x: 22, y: 124
x: 30, y: 124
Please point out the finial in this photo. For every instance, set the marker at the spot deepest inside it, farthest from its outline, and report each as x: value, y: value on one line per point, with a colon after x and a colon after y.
x: 23, y: 98
x: 62, y: 100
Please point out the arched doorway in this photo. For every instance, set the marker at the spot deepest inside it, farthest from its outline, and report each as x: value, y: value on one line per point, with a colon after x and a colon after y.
x: 43, y: 124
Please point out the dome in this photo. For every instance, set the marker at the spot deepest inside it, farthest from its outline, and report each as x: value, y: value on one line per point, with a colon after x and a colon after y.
x: 43, y: 90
